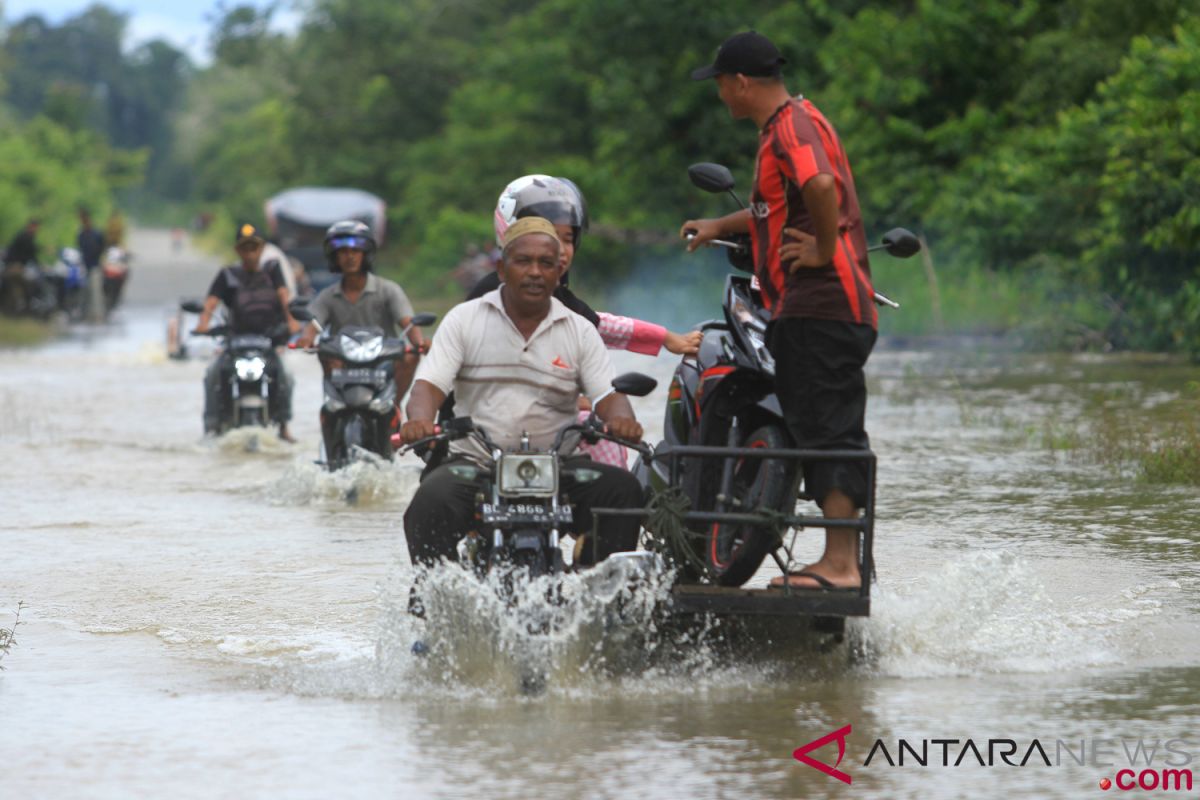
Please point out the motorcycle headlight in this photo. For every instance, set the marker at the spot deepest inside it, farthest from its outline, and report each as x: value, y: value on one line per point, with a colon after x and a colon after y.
x: 249, y: 369
x: 361, y: 351
x: 527, y: 475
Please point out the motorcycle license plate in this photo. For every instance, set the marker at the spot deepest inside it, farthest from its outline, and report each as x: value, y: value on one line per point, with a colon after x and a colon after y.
x: 361, y: 375
x: 523, y: 514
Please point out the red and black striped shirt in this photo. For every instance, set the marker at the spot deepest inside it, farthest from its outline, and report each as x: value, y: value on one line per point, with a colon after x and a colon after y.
x: 796, y: 145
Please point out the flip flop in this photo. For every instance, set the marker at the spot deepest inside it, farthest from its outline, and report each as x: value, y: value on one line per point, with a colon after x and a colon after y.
x: 825, y: 585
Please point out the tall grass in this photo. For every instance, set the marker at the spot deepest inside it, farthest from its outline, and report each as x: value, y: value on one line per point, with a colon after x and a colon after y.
x: 1039, y: 310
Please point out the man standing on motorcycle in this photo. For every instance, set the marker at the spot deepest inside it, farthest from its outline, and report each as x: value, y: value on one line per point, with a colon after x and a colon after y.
x: 517, y: 359
x: 362, y: 298
x: 257, y: 302
x: 816, y: 282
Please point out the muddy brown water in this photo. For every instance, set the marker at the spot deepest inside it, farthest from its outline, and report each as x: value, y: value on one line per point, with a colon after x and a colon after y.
x: 208, y: 621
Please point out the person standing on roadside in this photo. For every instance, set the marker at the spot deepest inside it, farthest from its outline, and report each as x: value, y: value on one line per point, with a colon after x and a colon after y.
x: 22, y: 250
x: 810, y: 257
x: 91, y: 248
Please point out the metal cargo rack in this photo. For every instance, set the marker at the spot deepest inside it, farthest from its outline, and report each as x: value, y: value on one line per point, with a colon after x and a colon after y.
x: 828, y: 608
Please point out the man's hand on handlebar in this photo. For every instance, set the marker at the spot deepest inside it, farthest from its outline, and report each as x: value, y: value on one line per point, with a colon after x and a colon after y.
x: 625, y: 428
x: 416, y: 429
x: 700, y: 231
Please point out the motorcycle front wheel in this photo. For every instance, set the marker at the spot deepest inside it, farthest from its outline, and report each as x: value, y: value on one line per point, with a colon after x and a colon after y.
x: 734, y: 551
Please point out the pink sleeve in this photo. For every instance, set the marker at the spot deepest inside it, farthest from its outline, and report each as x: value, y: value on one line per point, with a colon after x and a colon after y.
x: 634, y: 335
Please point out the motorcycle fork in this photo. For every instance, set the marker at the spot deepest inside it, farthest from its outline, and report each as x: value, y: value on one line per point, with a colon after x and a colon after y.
x: 234, y: 394
x: 733, y: 439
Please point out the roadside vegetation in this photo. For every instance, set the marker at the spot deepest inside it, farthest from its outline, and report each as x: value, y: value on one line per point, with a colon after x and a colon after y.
x: 16, y: 332
x: 1045, y: 150
x: 8, y: 636
x: 1157, y: 447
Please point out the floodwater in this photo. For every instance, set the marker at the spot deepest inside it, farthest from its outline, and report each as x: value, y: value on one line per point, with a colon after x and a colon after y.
x: 215, y: 620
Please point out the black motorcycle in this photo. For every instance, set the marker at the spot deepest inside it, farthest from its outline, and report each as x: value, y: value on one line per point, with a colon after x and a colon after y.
x: 521, y: 510
x: 725, y: 397
x: 359, y: 409
x: 246, y: 383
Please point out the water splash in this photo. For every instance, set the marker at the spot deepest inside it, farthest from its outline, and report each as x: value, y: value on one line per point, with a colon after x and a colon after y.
x: 368, y: 481
x: 982, y: 613
x: 506, y: 631
x: 253, y: 439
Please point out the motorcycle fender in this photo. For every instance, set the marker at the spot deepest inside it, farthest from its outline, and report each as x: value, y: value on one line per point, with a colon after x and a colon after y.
x: 526, y: 540
x: 333, y: 394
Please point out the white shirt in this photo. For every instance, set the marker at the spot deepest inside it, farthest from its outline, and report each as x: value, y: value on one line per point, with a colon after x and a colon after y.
x: 508, y: 384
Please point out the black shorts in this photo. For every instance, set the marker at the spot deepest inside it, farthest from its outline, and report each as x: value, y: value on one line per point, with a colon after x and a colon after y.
x: 823, y: 392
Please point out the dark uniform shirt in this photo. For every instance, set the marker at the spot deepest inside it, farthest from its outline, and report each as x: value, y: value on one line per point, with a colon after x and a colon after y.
x: 251, y: 297
x: 796, y: 145
x: 91, y: 247
x: 22, y: 249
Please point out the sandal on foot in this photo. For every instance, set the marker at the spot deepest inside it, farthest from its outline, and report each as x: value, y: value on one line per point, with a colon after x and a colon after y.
x: 823, y: 583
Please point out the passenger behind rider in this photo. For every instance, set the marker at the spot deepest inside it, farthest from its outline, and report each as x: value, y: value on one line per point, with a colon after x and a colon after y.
x: 362, y: 298
x: 517, y: 359
x: 256, y: 299
x: 560, y: 201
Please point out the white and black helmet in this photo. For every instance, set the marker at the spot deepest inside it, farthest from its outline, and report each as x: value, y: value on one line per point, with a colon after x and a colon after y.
x: 350, y: 234
x: 556, y: 200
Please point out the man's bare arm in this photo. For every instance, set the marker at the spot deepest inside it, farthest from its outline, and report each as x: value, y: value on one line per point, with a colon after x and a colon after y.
x: 618, y: 417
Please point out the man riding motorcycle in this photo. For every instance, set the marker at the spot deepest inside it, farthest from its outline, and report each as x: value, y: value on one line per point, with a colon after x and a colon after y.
x: 517, y: 360
x: 362, y: 298
x: 560, y: 201
x: 257, y: 302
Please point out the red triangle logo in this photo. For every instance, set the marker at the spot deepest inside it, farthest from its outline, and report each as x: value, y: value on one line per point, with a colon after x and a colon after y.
x: 801, y: 754
x: 558, y: 362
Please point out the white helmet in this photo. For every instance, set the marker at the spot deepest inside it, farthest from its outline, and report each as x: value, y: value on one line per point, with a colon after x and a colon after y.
x: 557, y: 200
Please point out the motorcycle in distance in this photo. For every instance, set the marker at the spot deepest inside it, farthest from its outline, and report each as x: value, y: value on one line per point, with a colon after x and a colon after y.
x: 115, y: 264
x: 246, y: 385
x: 359, y: 408
x: 71, y: 278
x: 725, y: 397
x: 521, y: 509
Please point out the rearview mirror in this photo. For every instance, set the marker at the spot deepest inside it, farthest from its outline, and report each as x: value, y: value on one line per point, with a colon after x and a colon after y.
x: 634, y: 384
x: 901, y: 243
x: 299, y: 309
x: 711, y: 177
x: 421, y: 320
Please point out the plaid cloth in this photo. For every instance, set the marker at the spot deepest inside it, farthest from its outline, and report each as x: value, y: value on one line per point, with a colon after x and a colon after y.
x: 603, y: 451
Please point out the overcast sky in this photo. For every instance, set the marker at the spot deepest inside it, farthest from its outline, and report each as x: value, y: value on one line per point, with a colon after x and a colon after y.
x: 183, y: 23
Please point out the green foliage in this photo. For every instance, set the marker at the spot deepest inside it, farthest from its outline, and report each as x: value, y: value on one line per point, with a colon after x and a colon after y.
x: 49, y: 171
x: 1046, y: 148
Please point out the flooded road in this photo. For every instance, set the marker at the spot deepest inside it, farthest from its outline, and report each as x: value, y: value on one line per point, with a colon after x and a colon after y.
x: 203, y: 621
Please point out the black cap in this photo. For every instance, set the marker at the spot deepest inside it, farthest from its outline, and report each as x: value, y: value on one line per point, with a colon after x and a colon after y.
x: 248, y: 233
x: 748, y: 53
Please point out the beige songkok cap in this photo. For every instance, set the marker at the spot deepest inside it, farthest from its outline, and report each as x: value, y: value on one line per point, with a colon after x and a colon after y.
x: 526, y: 226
